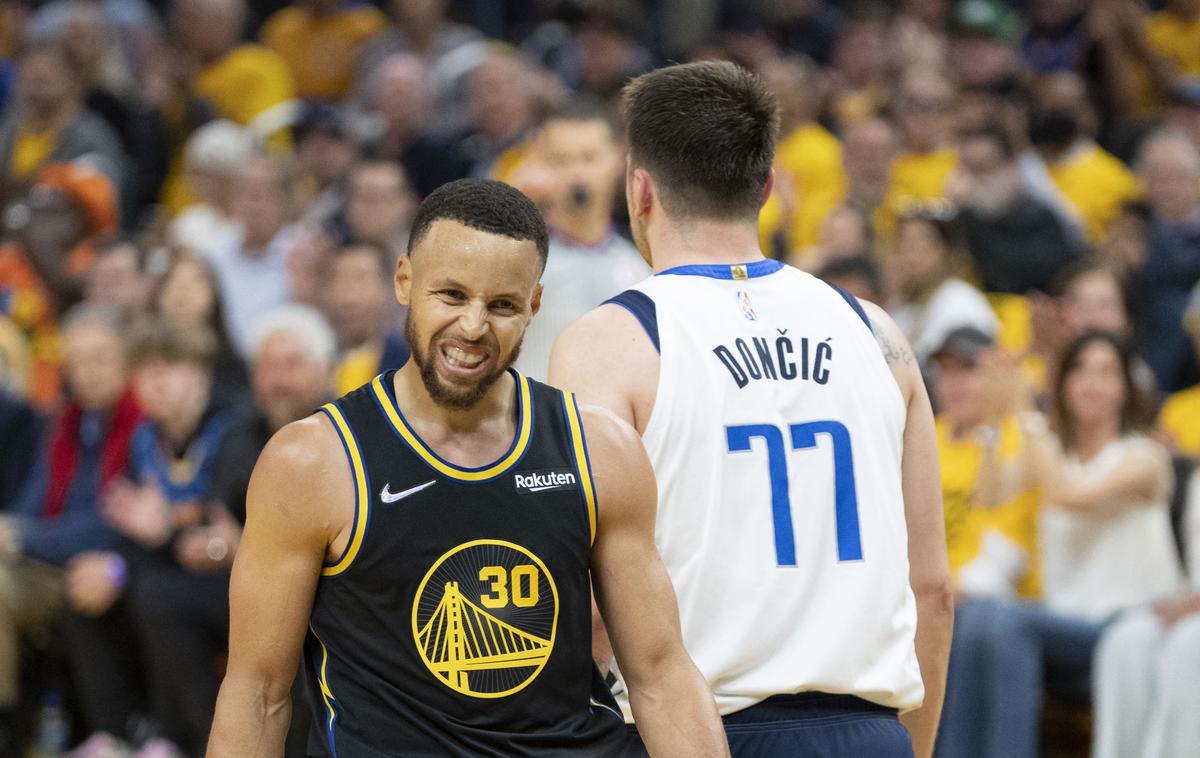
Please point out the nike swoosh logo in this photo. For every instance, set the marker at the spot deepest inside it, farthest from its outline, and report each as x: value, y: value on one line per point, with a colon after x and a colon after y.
x: 391, y: 497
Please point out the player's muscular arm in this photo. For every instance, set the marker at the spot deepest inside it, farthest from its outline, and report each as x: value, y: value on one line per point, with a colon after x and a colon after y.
x: 671, y: 702
x: 929, y: 568
x: 607, y: 360
x: 300, y: 498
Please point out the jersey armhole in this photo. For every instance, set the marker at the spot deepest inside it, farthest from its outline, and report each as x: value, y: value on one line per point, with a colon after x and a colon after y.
x: 643, y: 309
x: 852, y: 301
x: 583, y: 465
x: 362, y: 495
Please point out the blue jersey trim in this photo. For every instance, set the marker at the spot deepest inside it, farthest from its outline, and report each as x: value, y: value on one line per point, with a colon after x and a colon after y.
x: 753, y: 270
x: 853, y: 303
x: 643, y: 309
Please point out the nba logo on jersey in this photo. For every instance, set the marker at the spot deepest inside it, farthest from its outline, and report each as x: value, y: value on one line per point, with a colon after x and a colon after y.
x: 747, y: 307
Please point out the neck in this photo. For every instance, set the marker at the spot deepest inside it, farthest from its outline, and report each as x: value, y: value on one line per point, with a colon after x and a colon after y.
x: 416, y: 403
x: 1091, y: 438
x: 703, y: 242
x: 589, y: 227
x: 179, y: 427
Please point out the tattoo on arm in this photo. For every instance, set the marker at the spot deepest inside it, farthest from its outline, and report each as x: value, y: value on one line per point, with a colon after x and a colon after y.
x: 891, y: 352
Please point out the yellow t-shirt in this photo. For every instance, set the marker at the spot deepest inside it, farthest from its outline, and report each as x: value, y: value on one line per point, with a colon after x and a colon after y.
x: 1097, y: 184
x: 30, y: 150
x: 915, y: 176
x: 1178, y: 41
x: 966, y: 524
x: 322, y: 52
x: 812, y: 160
x: 1180, y: 417
x: 356, y: 368
x: 244, y: 84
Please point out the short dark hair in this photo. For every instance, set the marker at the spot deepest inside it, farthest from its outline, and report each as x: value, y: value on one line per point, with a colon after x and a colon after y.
x: 706, y: 132
x: 584, y: 109
x: 486, y: 205
x: 156, y: 340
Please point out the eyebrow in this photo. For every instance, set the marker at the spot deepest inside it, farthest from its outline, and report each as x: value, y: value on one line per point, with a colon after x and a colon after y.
x: 454, y: 284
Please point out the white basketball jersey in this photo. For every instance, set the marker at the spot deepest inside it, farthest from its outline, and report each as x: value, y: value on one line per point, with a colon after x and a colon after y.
x: 776, y: 438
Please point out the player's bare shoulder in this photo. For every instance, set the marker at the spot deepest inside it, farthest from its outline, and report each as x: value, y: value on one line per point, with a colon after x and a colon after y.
x: 895, y: 348
x: 302, y: 474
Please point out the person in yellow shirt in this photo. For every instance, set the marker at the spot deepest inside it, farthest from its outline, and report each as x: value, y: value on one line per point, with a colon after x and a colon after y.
x: 991, y: 546
x: 1062, y: 128
x: 1173, y: 34
x: 356, y: 300
x: 925, y: 107
x: 245, y: 83
x: 808, y: 160
x: 321, y: 41
x: 1179, y: 418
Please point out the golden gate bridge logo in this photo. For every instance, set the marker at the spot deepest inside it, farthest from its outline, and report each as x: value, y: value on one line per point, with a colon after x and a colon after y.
x: 484, y: 618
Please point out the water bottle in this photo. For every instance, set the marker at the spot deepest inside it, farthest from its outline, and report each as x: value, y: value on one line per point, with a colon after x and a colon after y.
x: 53, y: 732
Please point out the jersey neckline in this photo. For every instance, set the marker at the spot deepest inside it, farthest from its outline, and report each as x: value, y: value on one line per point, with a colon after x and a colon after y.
x: 731, y: 271
x: 384, y: 391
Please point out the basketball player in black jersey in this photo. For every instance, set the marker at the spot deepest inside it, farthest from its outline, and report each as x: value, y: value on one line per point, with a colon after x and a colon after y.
x: 426, y: 540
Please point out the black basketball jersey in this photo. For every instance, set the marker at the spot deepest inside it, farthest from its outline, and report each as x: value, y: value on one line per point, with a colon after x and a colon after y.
x: 458, y: 619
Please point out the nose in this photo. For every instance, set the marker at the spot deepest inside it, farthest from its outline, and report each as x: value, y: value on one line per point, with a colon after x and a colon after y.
x: 473, y: 321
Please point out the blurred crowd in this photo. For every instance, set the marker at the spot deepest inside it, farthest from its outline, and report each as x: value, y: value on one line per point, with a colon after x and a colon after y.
x: 202, y: 203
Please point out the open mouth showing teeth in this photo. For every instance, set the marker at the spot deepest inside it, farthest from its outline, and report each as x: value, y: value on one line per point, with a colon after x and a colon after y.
x: 459, y: 358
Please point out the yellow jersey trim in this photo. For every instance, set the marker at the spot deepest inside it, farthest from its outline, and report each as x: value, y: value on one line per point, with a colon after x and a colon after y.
x: 582, y: 463
x: 362, y: 499
x: 445, y: 468
x: 326, y: 693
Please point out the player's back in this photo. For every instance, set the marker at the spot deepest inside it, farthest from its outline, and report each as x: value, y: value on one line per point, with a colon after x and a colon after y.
x: 776, y: 437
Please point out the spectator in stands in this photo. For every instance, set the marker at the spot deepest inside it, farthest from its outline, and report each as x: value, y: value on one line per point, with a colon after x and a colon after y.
x: 321, y: 41
x: 57, y: 515
x: 212, y: 158
x: 1016, y: 242
x: 448, y: 51
x: 118, y: 279
x: 983, y: 53
x: 188, y: 295
x: 589, y: 262
x: 20, y: 432
x: 859, y: 275
x: 327, y: 146
x: 846, y: 232
x: 399, y: 96
x: 1170, y: 52
x: 178, y: 612
x: 860, y: 63
x: 1169, y: 166
x: 930, y: 297
x: 867, y: 156
x: 54, y: 232
x: 47, y: 124
x: 359, y: 304
x: 926, y: 104
x: 595, y: 50
x: 809, y: 178
x: 1145, y: 693
x: 1057, y: 38
x: 211, y: 69
x: 252, y: 267
x: 1105, y: 545
x: 379, y: 205
x: 505, y: 93
x: 1180, y: 414
x: 1062, y: 128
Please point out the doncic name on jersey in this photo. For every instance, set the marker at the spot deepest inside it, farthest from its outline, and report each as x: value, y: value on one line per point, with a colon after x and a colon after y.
x: 544, y: 481
x: 779, y: 358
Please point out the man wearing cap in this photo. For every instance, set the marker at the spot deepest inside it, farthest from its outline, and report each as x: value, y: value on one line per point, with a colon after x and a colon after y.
x: 990, y: 541
x: 53, y: 230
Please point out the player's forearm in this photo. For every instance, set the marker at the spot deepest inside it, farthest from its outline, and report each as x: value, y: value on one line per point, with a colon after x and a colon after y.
x: 249, y: 722
x: 676, y: 715
x: 935, y: 627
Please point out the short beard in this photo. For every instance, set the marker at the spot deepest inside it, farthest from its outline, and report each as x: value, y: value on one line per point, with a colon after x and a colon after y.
x: 446, y: 397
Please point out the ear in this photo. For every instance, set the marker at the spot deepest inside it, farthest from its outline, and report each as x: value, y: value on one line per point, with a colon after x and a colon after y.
x: 770, y: 185
x: 403, y: 280
x: 535, y: 304
x: 641, y: 197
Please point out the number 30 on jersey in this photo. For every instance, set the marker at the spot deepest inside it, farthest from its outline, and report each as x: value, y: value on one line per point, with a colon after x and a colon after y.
x: 803, y: 437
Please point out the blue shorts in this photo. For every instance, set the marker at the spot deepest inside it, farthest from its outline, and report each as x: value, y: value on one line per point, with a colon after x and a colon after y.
x: 816, y: 725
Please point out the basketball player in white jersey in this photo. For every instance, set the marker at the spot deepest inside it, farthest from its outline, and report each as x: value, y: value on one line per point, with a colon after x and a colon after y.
x: 800, y: 513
